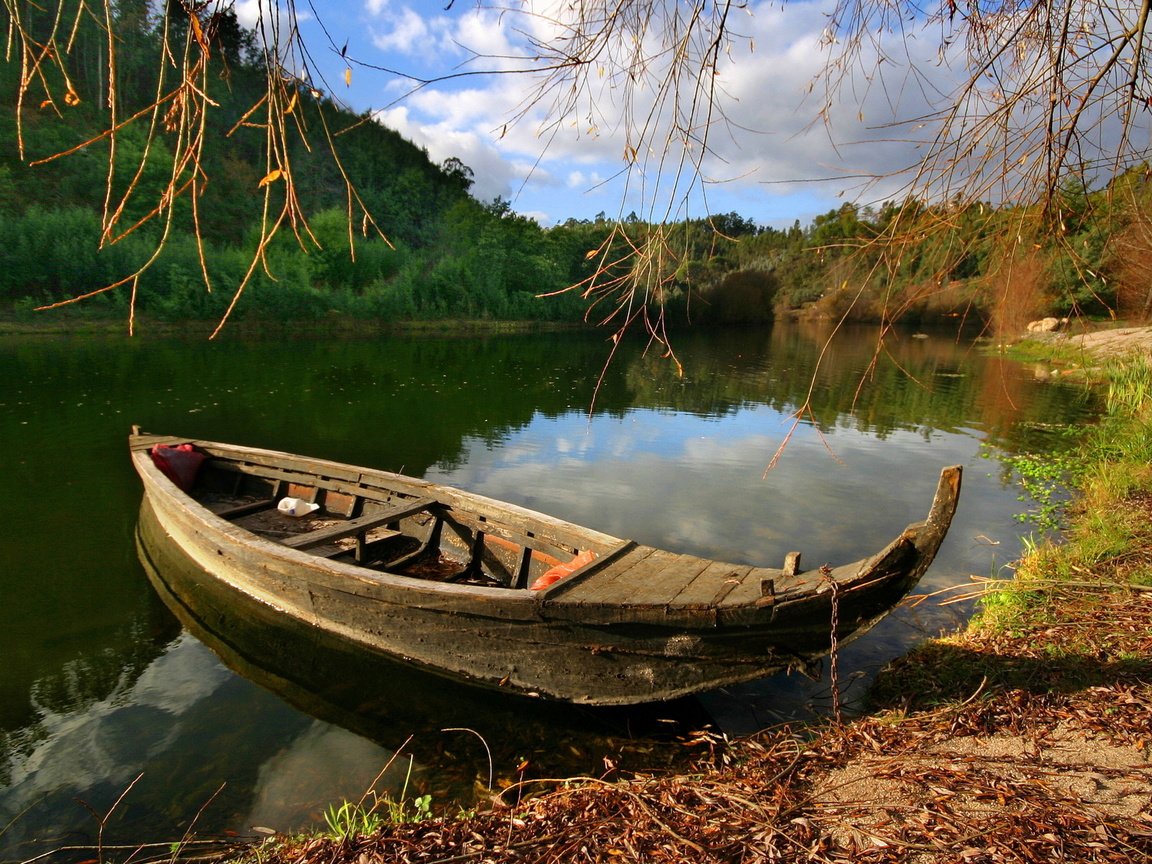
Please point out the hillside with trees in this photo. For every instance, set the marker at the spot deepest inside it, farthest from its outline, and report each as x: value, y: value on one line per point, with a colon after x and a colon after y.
x: 370, y: 228
x: 414, y: 245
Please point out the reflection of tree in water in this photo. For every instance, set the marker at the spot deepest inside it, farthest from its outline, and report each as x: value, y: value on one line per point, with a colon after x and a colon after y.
x: 73, y: 699
x: 114, y: 662
x: 852, y: 381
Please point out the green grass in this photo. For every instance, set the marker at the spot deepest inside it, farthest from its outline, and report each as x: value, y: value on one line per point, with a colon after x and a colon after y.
x: 1129, y: 386
x: 1054, y: 353
x: 349, y: 819
x: 1071, y: 617
x: 1044, y: 477
x: 1108, y: 519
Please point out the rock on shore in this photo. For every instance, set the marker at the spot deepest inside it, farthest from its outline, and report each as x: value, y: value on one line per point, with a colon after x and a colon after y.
x: 1117, y: 342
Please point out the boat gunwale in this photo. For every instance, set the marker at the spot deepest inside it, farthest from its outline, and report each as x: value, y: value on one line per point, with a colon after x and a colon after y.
x: 808, y: 586
x: 589, y: 650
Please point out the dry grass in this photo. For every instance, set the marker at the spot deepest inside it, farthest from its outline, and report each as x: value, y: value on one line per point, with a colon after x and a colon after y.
x: 1018, y: 288
x: 1131, y: 265
x: 1025, y: 746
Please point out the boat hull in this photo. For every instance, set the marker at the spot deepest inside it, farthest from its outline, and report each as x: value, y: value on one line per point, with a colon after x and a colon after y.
x: 538, y: 643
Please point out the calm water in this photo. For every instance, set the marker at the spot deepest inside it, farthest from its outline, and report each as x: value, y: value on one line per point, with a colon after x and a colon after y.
x: 101, y: 689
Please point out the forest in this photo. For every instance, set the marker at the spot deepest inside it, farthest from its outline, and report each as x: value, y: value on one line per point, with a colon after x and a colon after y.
x: 379, y: 232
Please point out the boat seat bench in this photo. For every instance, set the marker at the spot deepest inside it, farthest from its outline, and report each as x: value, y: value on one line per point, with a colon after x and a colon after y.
x: 358, y: 526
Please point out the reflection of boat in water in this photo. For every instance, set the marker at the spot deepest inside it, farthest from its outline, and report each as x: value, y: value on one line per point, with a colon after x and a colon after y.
x: 492, y: 593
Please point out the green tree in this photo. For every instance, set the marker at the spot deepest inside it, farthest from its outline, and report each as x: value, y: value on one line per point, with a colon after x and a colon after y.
x: 1048, y: 101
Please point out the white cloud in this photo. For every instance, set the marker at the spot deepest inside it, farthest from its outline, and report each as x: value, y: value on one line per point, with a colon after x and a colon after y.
x: 494, y: 174
x: 248, y: 12
x: 496, y: 125
x: 339, y: 765
x: 487, y: 34
x: 406, y: 32
x: 77, y: 748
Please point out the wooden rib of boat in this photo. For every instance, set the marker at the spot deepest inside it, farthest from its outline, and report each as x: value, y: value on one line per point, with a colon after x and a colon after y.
x: 498, y: 595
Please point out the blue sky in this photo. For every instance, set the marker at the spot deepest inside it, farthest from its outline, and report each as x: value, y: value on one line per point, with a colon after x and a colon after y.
x: 771, y: 158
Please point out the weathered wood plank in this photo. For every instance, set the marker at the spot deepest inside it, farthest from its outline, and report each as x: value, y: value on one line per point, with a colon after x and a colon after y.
x: 657, y: 573
x: 555, y: 537
x: 575, y: 590
x: 560, y: 548
x: 286, y: 475
x: 643, y: 591
x: 149, y: 441
x: 305, y: 491
x: 748, y: 589
x: 560, y: 539
x: 523, y: 569
x: 710, y: 586
x: 660, y: 588
x: 348, y: 483
x: 237, y: 510
x: 331, y: 550
x: 605, y: 561
x: 340, y: 503
x: 305, y: 466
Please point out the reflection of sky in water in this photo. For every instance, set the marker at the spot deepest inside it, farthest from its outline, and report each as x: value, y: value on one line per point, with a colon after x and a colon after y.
x: 76, y: 750
x: 166, y: 728
x: 325, y: 763
x: 697, y: 485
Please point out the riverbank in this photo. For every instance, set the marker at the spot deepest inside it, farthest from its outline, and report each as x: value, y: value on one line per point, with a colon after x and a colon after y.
x: 335, y: 326
x: 1027, y: 737
x: 1086, y: 346
x: 727, y: 802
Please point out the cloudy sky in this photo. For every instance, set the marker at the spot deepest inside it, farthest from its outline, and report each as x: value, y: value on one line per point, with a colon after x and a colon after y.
x: 771, y: 160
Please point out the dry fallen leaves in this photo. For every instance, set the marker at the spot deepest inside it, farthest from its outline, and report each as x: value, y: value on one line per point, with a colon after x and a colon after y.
x: 1015, y: 772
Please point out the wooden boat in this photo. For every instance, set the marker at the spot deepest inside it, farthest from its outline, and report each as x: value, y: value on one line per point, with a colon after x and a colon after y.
x: 498, y: 595
x: 393, y: 703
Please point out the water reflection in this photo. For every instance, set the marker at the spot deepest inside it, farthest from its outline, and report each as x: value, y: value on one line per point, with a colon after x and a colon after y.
x: 219, y: 746
x: 97, y: 687
x: 154, y: 740
x: 324, y: 764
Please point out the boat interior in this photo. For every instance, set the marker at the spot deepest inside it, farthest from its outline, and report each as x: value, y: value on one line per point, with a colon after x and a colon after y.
x: 385, y: 529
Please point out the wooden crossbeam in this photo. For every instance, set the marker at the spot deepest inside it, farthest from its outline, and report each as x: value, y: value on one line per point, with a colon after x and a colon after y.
x: 361, y: 525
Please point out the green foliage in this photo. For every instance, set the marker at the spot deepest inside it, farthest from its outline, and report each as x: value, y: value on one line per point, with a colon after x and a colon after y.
x: 349, y: 819
x: 740, y: 297
x: 448, y: 255
x: 1045, y: 478
x: 1130, y: 386
x: 1124, y: 439
x: 50, y: 254
x: 1108, y: 533
x: 484, y: 263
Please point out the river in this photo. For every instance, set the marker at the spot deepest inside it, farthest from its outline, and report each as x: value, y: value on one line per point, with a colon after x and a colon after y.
x: 108, y: 706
